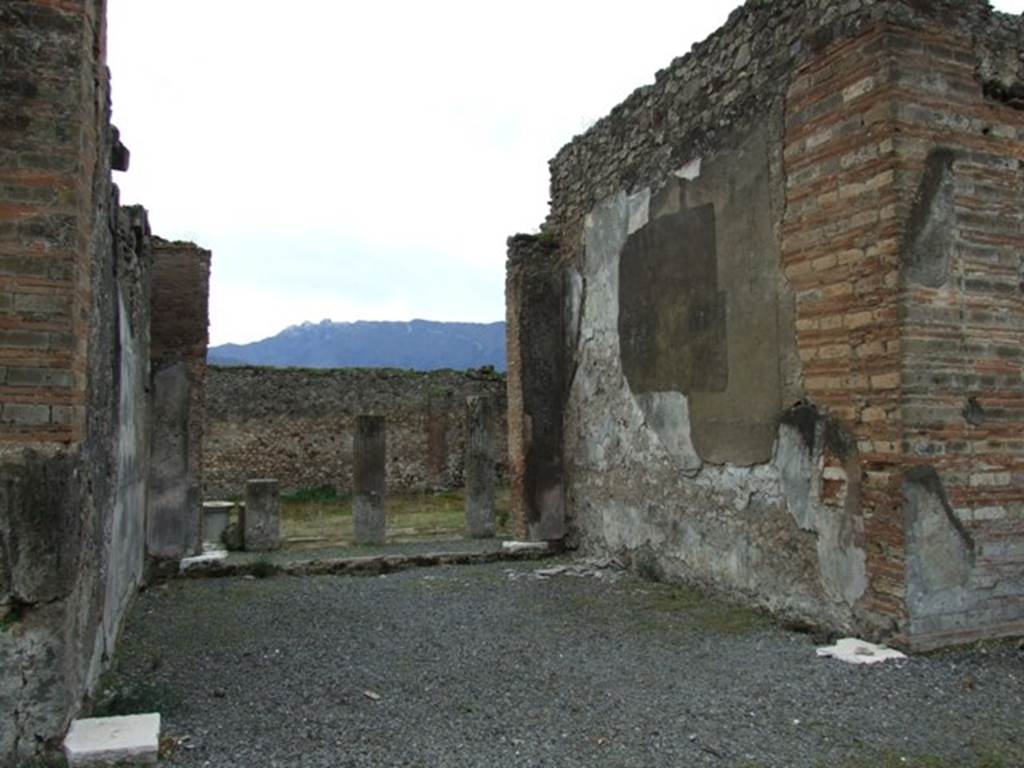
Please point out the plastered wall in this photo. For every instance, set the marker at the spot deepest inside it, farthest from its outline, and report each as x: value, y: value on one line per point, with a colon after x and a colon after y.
x: 791, y: 322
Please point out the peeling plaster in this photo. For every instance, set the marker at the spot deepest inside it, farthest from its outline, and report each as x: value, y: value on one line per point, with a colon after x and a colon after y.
x: 639, y: 210
x: 668, y: 414
x: 640, y: 486
x: 940, y: 552
x: 842, y: 563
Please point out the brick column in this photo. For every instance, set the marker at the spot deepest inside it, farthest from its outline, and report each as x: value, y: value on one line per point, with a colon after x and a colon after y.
x: 536, y: 387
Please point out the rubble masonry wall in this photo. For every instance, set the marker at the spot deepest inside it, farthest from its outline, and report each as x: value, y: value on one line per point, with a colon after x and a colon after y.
x: 297, y: 425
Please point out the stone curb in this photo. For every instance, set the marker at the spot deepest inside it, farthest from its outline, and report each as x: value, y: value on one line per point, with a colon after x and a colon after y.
x: 373, y: 565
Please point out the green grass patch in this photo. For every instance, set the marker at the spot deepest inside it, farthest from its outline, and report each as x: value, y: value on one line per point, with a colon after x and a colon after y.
x: 713, y: 614
x: 1005, y: 756
x: 317, y: 518
x: 323, y: 494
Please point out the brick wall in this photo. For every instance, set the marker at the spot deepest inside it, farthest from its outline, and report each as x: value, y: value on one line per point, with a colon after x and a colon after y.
x: 840, y: 250
x: 50, y: 107
x: 74, y: 365
x: 961, y: 154
x: 902, y: 240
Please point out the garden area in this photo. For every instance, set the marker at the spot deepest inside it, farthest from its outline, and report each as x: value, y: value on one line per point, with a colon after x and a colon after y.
x: 323, y: 517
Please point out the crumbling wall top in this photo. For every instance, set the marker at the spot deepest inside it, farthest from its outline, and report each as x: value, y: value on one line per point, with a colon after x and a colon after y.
x: 731, y: 79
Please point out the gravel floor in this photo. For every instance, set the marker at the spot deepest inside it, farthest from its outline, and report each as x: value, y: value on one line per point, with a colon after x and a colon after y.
x: 492, y: 666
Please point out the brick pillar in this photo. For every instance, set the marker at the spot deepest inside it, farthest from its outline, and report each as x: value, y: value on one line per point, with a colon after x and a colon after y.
x: 368, y: 520
x: 180, y: 318
x: 840, y: 252
x: 536, y: 387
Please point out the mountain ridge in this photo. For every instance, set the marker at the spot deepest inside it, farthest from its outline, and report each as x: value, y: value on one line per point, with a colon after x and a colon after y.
x: 424, y: 345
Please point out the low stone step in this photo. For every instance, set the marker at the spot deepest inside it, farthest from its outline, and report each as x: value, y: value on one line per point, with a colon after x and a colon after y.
x: 113, y: 740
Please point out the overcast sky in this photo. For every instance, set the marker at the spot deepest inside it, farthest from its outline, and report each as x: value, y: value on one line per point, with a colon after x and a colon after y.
x: 366, y: 161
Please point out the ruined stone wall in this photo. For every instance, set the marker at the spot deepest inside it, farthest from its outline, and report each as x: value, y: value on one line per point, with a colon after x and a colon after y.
x: 181, y: 276
x: 794, y: 318
x: 297, y: 425
x: 75, y: 345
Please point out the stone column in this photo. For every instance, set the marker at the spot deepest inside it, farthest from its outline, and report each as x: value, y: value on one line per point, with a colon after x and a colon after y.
x: 261, y: 519
x: 479, y: 464
x: 368, y: 522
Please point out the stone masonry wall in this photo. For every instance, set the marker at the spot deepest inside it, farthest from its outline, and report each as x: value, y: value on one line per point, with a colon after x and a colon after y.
x: 794, y: 314
x: 74, y: 310
x: 181, y: 276
x: 296, y: 425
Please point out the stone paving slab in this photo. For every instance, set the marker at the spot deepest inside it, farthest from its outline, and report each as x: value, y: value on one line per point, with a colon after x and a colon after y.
x: 99, y: 741
x: 365, y: 560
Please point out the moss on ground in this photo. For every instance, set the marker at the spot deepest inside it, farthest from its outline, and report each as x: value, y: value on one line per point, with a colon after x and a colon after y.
x: 699, y: 610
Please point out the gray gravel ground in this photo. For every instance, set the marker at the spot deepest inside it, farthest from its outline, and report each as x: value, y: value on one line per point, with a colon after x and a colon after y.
x: 491, y: 666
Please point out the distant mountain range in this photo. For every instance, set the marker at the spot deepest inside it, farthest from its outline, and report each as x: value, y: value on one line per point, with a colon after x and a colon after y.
x: 420, y: 345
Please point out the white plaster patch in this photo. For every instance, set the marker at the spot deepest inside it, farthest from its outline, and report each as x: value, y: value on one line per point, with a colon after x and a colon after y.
x: 213, y: 556
x: 524, y: 546
x: 668, y: 414
x: 599, y: 393
x: 626, y: 527
x: 639, y: 210
x: 842, y: 565
x: 109, y: 740
x: 604, y: 235
x: 854, y: 651
x: 690, y: 171
x: 573, y: 305
x: 989, y: 513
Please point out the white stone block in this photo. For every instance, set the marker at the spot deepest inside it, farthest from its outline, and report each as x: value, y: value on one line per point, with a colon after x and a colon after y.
x: 525, y: 546
x: 207, y: 558
x: 854, y: 651
x: 690, y: 171
x: 111, y: 740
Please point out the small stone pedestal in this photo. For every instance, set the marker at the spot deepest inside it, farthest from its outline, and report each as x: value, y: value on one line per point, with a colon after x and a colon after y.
x: 368, y: 521
x: 216, y: 519
x: 261, y: 518
x: 479, y: 463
